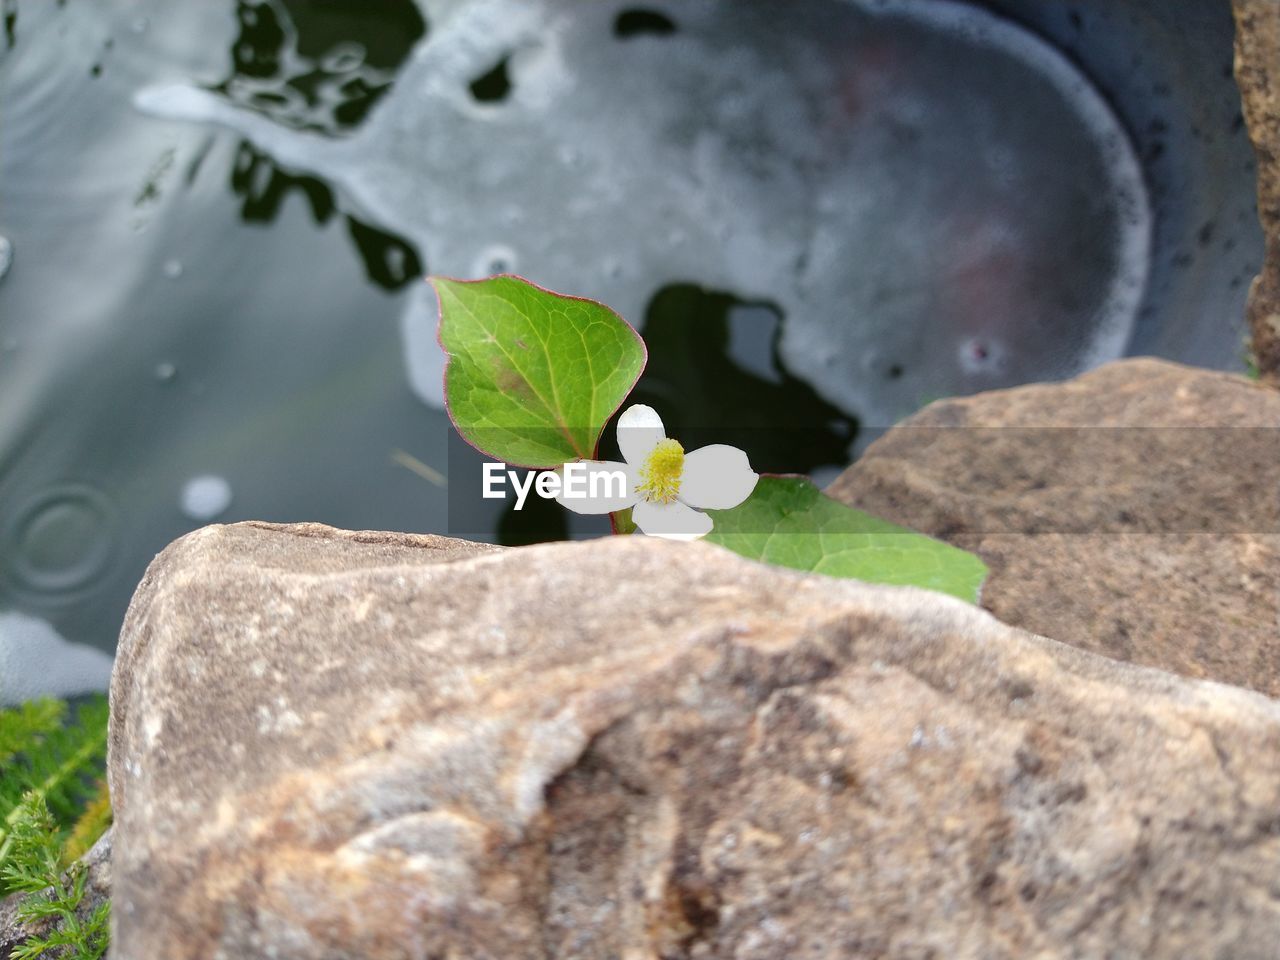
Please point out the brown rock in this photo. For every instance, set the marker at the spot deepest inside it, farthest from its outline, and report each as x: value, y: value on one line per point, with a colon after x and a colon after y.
x: 636, y: 749
x: 1258, y: 75
x: 1152, y: 491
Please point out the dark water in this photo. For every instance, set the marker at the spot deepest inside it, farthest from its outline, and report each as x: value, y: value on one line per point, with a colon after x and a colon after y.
x: 216, y: 215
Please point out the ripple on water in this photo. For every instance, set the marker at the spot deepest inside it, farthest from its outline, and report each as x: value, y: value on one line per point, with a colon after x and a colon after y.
x: 59, y: 541
x: 493, y: 260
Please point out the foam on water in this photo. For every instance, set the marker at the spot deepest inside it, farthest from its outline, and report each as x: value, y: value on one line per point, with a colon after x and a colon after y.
x: 36, y: 662
x: 908, y: 177
x: 205, y: 496
x: 424, y: 358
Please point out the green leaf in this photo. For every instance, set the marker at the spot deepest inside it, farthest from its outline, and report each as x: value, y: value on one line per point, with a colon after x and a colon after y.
x: 789, y: 522
x: 533, y: 376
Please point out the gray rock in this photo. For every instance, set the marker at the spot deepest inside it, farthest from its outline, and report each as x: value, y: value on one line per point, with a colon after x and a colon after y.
x: 1133, y: 511
x: 341, y: 745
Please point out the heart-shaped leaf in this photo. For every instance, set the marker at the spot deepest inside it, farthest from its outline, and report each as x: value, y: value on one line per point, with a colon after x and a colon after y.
x: 533, y: 376
x: 789, y: 522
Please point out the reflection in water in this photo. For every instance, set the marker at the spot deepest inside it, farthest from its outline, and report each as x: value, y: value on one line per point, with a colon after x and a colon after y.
x: 715, y: 376
x: 493, y: 85
x: 540, y: 521
x: 320, y: 67
x: 901, y: 180
x: 904, y: 181
x: 637, y: 22
x: 263, y: 187
x: 389, y: 261
x: 316, y: 65
x: 185, y: 332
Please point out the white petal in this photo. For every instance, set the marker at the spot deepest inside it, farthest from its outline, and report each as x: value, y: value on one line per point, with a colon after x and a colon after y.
x: 639, y: 430
x: 716, y: 477
x: 602, y: 474
x: 674, y: 521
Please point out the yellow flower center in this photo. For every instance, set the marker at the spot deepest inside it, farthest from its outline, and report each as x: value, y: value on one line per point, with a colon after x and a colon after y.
x: 660, y: 475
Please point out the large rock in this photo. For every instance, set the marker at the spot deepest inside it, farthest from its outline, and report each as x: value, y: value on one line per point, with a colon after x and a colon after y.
x: 1133, y: 511
x: 1257, y: 66
x: 369, y: 746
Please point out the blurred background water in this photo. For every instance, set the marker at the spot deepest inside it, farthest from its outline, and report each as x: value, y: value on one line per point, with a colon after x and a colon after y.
x: 215, y: 216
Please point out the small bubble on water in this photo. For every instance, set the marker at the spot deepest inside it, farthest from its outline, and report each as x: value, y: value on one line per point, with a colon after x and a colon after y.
x: 978, y: 355
x: 205, y: 496
x: 6, y: 256
x: 141, y: 25
x: 344, y: 58
x: 493, y: 261
x: 165, y: 372
x: 173, y: 269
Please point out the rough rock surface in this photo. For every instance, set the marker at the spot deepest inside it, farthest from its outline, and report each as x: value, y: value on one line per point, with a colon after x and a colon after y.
x: 1153, y: 491
x: 1258, y: 75
x: 327, y: 747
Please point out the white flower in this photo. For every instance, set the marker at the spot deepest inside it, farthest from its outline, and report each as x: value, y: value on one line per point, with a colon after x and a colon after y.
x: 667, y: 487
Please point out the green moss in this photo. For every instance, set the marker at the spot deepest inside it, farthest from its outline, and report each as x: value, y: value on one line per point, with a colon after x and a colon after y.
x: 53, y: 807
x: 51, y: 753
x: 54, y: 897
